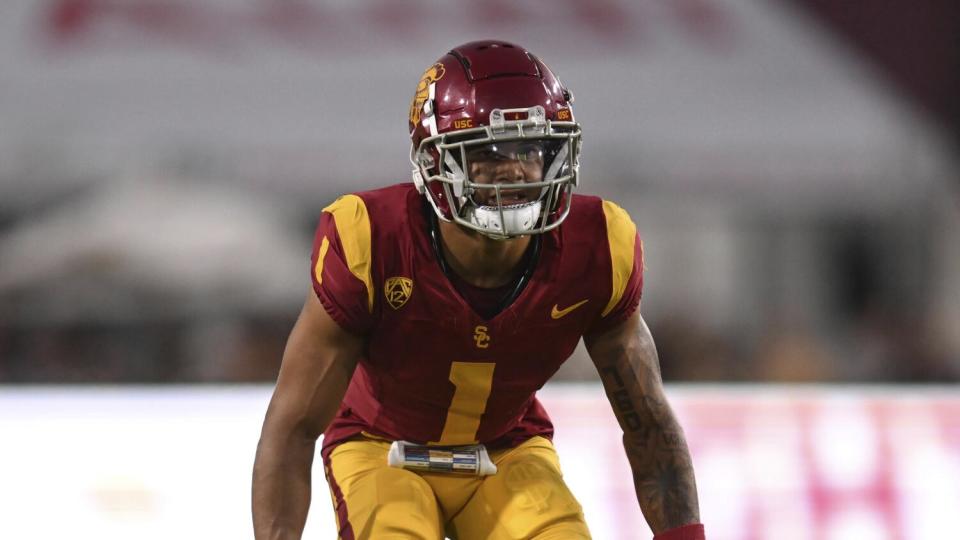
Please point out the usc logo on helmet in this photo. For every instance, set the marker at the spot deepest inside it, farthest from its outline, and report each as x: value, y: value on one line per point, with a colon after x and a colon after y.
x: 433, y: 74
x: 463, y: 123
x: 397, y: 290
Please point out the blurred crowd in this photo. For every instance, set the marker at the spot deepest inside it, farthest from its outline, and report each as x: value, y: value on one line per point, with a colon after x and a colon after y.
x: 243, y: 350
x: 883, y: 346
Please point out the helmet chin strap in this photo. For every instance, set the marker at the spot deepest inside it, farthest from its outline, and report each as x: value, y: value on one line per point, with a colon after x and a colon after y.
x: 517, y: 219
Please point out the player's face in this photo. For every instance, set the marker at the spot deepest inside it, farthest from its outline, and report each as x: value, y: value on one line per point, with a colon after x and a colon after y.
x: 506, y: 163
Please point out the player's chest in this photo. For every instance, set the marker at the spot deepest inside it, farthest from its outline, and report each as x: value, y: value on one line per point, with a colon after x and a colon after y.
x: 426, y: 323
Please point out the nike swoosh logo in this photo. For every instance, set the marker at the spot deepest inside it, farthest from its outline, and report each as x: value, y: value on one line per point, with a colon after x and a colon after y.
x: 556, y: 313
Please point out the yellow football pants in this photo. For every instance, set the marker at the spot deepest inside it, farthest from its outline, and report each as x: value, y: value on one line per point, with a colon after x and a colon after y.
x: 526, y: 499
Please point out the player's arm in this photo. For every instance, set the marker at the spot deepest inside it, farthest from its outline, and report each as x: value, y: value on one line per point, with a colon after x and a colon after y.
x: 626, y: 358
x: 317, y: 366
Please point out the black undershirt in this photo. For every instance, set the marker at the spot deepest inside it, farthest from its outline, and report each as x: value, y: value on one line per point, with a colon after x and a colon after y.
x: 487, y: 302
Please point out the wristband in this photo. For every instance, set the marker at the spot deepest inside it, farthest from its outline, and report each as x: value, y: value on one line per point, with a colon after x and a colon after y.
x: 693, y: 531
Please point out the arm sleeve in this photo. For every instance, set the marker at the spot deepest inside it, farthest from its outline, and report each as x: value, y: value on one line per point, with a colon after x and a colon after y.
x: 626, y: 272
x: 341, y: 264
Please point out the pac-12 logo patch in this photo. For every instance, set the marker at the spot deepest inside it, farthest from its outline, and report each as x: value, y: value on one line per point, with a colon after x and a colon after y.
x: 433, y: 74
x: 397, y: 290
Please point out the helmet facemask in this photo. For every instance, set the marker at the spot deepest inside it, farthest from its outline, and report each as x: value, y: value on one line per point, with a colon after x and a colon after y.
x: 491, y: 198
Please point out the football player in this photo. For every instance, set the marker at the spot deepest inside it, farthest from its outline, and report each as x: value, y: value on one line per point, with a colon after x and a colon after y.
x: 439, y: 308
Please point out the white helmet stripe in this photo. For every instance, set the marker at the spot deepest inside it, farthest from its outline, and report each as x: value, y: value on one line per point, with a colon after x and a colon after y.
x: 429, y: 118
x: 557, y: 162
x: 458, y: 176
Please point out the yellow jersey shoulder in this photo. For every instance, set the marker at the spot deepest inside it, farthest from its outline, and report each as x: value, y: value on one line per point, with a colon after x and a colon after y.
x: 353, y: 228
x: 621, y: 241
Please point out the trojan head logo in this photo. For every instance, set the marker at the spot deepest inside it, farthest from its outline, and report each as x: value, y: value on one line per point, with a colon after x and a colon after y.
x: 433, y: 74
x: 397, y: 290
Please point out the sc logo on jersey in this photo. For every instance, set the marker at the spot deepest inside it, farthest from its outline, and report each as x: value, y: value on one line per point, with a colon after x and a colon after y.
x: 481, y: 337
x: 397, y: 291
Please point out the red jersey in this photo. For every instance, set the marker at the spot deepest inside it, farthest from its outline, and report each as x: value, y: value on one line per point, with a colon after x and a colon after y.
x: 436, y: 372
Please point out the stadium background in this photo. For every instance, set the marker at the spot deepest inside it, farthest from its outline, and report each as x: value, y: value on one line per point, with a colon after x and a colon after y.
x: 792, y: 166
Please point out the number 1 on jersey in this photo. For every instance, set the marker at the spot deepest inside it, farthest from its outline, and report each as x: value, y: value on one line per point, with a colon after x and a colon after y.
x: 473, y: 381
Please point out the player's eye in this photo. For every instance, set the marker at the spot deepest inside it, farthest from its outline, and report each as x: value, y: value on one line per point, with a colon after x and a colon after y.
x: 530, y: 153
x: 527, y: 153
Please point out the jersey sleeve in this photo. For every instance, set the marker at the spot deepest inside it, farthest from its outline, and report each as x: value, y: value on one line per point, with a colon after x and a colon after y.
x: 626, y: 272
x: 341, y: 264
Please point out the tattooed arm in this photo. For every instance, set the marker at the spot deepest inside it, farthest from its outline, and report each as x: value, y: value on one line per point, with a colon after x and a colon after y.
x: 626, y: 358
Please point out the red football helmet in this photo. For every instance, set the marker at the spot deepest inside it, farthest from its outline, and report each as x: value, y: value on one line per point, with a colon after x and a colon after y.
x: 492, y: 98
